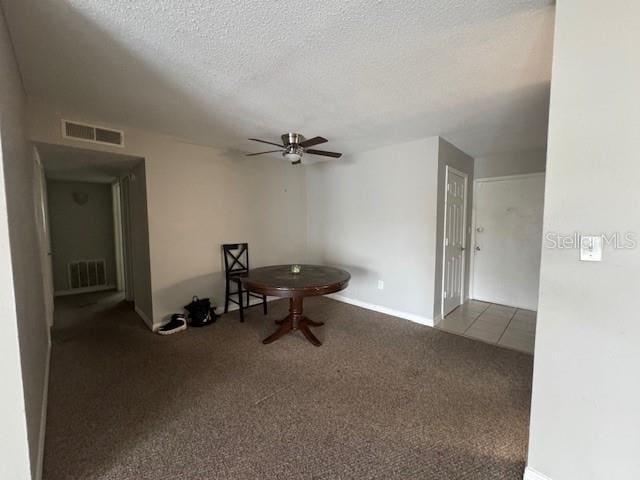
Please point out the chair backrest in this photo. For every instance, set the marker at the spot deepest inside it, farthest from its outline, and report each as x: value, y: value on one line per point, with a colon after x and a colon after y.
x: 236, y: 258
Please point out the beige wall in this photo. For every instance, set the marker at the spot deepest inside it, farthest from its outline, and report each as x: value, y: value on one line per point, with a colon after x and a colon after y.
x: 374, y: 213
x: 198, y: 198
x: 24, y: 341
x: 585, y: 418
x: 515, y: 163
x: 80, y: 232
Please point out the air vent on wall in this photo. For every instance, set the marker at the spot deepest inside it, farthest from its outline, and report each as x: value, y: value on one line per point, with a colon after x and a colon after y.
x: 91, y: 133
x: 87, y: 273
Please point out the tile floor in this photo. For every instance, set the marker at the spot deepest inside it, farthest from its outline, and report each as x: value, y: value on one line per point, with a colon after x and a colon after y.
x: 492, y: 323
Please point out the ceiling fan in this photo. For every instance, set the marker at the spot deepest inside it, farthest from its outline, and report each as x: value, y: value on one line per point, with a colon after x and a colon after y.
x: 294, y: 146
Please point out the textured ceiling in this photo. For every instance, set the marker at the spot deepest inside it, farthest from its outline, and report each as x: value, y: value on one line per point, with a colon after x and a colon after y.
x: 362, y: 73
x: 77, y: 164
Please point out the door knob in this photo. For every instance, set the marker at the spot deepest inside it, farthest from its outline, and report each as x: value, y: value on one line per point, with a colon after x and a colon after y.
x: 478, y: 248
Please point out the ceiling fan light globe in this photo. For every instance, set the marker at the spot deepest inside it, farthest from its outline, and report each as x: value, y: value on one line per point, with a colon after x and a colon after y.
x: 292, y: 156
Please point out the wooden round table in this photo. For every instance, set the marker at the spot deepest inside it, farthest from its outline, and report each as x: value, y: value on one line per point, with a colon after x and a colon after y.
x: 279, y: 281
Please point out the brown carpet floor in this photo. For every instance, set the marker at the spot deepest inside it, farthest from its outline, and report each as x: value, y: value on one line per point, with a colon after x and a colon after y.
x: 383, y: 398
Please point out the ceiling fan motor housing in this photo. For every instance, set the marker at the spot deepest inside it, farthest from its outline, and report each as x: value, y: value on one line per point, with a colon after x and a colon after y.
x: 292, y: 139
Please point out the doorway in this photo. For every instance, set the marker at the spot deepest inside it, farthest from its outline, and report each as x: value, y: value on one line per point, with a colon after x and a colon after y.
x: 82, y: 236
x: 507, y: 239
x: 96, y: 214
x: 455, y: 220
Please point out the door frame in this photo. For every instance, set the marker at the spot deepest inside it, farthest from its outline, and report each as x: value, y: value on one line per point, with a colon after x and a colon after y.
x: 118, y: 236
x: 127, y: 244
x: 474, y: 217
x: 44, y: 234
x: 449, y: 168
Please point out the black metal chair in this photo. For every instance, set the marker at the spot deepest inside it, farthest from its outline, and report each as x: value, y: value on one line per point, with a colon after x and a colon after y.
x: 236, y: 265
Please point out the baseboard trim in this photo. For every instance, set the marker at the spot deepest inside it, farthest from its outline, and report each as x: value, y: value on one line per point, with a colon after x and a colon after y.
x: 437, y: 319
x: 146, y: 319
x: 389, y: 311
x: 76, y: 291
x: 43, y: 416
x: 532, y: 474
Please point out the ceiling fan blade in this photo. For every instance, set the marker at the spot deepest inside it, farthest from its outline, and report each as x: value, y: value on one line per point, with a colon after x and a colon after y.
x: 324, y: 153
x: 313, y: 141
x: 264, y: 141
x: 261, y: 153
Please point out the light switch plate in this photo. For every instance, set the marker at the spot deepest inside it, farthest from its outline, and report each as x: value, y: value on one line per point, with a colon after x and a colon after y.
x: 591, y: 248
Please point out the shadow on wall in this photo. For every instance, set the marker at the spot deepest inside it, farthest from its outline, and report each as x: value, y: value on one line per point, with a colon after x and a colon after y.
x: 360, y: 274
x: 512, y: 130
x: 178, y: 294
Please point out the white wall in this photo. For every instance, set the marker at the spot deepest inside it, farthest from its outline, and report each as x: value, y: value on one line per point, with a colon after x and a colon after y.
x: 380, y: 215
x: 80, y: 232
x: 24, y: 341
x: 198, y: 198
x: 515, y: 163
x: 585, y: 419
x: 374, y: 213
x: 456, y: 158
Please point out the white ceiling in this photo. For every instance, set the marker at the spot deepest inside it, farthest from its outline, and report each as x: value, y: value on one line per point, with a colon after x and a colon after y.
x: 362, y: 73
x: 80, y: 165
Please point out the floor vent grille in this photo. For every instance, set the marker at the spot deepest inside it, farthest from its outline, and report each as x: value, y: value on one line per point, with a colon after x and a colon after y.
x: 87, y: 273
x: 93, y: 134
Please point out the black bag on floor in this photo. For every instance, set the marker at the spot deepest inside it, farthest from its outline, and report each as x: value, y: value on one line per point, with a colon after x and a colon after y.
x: 201, y: 313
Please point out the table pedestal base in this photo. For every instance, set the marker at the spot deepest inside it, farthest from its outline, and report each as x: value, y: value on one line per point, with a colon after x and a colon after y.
x: 295, y: 321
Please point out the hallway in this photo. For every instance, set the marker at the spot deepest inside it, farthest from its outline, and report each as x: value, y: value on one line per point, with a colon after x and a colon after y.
x: 72, y: 311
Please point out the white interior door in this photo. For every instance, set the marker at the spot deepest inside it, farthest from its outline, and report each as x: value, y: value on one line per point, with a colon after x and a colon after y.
x: 508, y: 240
x: 454, y: 240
